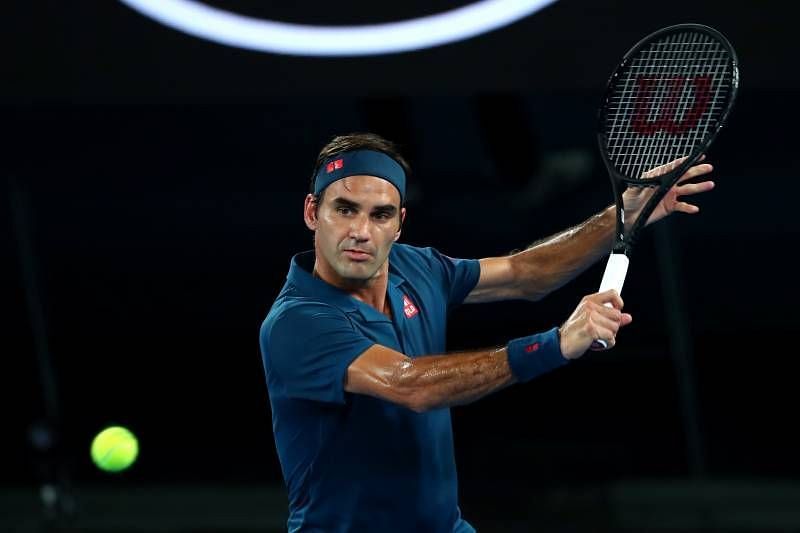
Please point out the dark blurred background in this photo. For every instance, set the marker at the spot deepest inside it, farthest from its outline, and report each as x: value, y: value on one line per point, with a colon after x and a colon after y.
x: 152, y: 192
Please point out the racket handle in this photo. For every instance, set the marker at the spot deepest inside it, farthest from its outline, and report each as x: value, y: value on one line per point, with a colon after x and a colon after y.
x: 613, y: 278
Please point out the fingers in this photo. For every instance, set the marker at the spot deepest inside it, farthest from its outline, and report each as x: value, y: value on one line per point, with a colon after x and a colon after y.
x: 695, y: 171
x: 604, y: 321
x: 604, y: 327
x: 610, y: 296
x: 688, y: 190
x: 666, y: 167
x: 674, y: 163
x: 599, y: 316
x: 687, y: 208
x: 694, y: 188
x: 663, y: 169
x: 603, y: 340
x: 606, y: 331
x: 610, y: 319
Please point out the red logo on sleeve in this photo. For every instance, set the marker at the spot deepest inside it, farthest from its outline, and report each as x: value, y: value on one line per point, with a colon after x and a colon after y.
x: 532, y: 347
x: 409, y: 308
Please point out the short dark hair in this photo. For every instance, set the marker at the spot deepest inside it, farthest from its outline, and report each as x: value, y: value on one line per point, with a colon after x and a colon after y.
x: 356, y: 141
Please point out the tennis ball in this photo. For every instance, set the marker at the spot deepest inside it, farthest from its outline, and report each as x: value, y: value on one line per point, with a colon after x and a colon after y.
x: 114, y: 449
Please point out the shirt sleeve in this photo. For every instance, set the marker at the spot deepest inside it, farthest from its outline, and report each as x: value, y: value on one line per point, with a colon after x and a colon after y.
x: 459, y: 276
x: 309, y: 348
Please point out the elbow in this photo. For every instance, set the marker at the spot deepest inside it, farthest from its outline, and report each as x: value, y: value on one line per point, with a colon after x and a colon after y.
x: 419, y: 404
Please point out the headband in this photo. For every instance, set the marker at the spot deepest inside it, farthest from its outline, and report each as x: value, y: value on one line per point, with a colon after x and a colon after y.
x: 361, y: 163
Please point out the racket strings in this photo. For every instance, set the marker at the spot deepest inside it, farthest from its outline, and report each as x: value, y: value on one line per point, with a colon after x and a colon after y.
x: 666, y: 101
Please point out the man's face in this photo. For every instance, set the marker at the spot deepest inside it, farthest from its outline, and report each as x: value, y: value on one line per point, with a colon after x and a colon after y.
x: 355, y: 225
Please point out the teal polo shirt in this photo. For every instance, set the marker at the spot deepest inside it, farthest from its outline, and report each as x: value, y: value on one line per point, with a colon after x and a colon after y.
x: 352, y: 462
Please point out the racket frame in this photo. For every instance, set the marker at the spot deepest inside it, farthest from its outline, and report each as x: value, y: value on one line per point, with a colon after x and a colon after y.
x: 623, y: 242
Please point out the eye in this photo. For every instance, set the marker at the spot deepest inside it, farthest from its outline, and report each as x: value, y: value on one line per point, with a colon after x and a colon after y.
x: 384, y: 215
x: 343, y: 210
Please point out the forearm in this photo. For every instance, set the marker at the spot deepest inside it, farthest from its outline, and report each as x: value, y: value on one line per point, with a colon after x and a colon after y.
x: 550, y: 263
x: 437, y: 381
x: 463, y: 377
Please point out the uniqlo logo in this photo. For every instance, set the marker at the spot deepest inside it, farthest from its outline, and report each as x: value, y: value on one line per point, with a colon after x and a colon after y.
x: 409, y: 308
x: 334, y: 165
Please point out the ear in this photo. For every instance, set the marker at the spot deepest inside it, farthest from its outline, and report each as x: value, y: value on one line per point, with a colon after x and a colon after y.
x: 402, y: 220
x: 310, y: 213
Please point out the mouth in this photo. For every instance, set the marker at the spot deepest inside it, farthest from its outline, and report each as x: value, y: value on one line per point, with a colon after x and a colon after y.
x: 357, y: 255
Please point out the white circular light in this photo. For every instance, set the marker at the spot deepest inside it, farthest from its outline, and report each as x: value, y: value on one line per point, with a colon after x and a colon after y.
x: 241, y: 31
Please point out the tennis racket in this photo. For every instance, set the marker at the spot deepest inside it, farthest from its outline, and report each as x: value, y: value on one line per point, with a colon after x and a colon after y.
x: 666, y: 102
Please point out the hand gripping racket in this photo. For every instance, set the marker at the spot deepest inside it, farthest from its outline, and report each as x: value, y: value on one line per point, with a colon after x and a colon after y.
x: 666, y: 101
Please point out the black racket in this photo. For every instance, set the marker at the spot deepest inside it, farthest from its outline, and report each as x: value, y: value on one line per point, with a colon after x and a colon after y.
x: 666, y: 101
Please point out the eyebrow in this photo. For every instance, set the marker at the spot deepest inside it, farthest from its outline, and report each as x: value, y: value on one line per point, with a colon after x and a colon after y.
x: 343, y: 202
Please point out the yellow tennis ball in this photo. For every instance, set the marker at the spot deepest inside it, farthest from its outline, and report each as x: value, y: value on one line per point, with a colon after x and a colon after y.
x: 114, y: 449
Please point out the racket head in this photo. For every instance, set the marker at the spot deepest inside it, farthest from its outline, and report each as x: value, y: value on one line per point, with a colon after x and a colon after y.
x: 667, y: 99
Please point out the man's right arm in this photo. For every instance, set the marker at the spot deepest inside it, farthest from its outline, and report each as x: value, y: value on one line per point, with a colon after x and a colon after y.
x: 436, y: 381
x: 429, y: 382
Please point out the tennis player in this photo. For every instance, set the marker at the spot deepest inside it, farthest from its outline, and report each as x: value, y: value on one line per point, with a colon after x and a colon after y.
x: 359, y: 378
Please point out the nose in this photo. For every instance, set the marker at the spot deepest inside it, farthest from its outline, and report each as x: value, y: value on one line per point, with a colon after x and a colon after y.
x: 359, y: 227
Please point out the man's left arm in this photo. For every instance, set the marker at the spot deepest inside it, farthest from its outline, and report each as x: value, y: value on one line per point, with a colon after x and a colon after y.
x: 550, y: 263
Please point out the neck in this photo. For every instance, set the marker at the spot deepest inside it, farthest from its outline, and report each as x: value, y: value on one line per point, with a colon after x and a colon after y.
x: 371, y: 291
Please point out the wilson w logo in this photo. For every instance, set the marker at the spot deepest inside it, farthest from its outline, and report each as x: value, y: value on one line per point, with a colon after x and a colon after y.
x: 678, y: 96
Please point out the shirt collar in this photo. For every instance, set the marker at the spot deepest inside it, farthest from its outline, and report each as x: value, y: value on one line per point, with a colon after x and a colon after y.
x: 300, y: 276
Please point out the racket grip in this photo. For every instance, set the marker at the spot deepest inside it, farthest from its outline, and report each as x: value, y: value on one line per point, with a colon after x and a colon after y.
x: 613, y: 278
